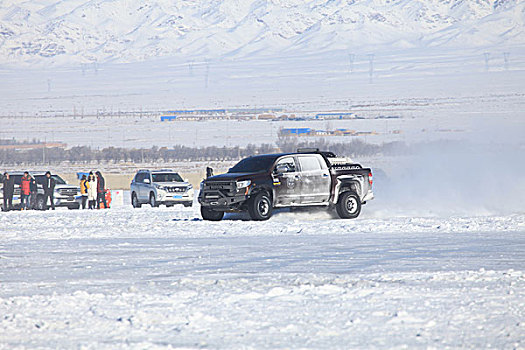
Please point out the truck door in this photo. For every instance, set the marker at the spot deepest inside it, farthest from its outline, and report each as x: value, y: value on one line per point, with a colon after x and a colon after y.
x: 286, y: 182
x: 315, y: 179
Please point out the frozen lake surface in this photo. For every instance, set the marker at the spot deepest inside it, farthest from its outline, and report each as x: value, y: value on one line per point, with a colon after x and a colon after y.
x: 162, y: 278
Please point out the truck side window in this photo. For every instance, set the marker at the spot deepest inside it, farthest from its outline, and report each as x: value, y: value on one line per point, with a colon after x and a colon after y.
x: 286, y: 164
x: 309, y: 163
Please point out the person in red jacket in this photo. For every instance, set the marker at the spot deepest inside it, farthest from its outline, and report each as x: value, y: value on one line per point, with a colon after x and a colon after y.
x: 25, y: 191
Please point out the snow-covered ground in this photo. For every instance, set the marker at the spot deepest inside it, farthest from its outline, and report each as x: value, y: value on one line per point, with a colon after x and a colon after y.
x: 437, y: 260
x: 162, y: 278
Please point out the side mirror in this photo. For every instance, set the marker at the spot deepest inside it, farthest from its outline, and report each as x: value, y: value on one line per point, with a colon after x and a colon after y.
x: 147, y: 181
x: 281, y: 169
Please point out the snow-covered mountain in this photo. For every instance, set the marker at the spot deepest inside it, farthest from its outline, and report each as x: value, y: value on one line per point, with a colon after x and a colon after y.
x: 82, y: 31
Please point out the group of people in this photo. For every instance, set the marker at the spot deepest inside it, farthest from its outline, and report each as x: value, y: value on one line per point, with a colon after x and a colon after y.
x: 28, y: 191
x: 92, y: 189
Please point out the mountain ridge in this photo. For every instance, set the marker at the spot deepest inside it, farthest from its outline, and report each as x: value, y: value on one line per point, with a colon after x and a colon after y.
x: 80, y: 31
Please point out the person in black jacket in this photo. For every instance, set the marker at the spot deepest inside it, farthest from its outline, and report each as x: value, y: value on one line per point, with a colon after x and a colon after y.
x: 49, y: 190
x: 101, y: 190
x: 8, y: 190
x: 33, y: 188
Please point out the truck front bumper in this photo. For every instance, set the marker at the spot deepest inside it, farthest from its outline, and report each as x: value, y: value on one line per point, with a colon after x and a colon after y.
x: 215, y: 200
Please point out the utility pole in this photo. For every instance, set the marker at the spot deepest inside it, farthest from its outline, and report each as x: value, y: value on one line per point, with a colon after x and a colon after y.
x: 351, y: 58
x: 190, y: 67
x: 207, y: 73
x: 487, y: 59
x: 371, y: 67
x: 506, y: 60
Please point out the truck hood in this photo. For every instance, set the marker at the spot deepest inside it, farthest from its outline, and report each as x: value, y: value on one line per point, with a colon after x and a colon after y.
x: 231, y: 177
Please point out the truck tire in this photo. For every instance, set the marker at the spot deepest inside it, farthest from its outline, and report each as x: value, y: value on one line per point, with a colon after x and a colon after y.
x: 260, y: 207
x: 135, y: 201
x: 349, y: 205
x: 152, y: 200
x: 211, y: 215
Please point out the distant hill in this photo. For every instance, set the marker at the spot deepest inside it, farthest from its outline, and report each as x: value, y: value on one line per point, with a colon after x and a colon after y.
x: 80, y: 31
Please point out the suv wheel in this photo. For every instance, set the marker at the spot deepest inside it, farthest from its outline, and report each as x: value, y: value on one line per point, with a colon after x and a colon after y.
x: 135, y: 201
x: 260, y: 207
x: 349, y: 205
x: 211, y: 215
x: 152, y: 200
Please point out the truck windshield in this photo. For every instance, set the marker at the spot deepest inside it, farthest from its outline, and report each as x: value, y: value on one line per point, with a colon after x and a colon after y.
x: 167, y: 177
x: 252, y: 165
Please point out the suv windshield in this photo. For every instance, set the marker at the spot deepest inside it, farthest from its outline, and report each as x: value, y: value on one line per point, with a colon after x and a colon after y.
x: 58, y: 180
x: 167, y: 177
x: 252, y: 165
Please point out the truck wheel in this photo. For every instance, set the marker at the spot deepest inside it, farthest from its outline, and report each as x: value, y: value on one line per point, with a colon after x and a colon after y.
x: 349, y: 205
x: 40, y: 205
x: 135, y: 201
x: 260, y: 207
x: 211, y: 215
x: 152, y: 200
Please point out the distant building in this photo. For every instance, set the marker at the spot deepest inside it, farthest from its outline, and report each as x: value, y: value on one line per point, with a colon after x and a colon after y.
x: 266, y: 116
x: 343, y: 115
x: 296, y: 131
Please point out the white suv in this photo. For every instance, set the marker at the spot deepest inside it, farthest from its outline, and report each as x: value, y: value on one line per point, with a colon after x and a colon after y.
x: 160, y: 187
x: 65, y: 195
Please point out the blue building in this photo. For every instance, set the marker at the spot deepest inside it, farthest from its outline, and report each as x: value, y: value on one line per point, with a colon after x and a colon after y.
x: 296, y: 131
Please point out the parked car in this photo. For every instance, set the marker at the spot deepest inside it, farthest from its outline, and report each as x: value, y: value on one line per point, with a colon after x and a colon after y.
x: 157, y: 187
x: 65, y: 195
x: 308, y: 178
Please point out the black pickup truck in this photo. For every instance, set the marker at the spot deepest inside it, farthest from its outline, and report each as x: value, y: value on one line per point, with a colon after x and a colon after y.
x: 307, y: 178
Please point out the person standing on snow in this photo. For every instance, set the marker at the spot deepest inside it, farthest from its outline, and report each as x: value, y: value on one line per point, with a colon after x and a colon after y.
x: 92, y: 191
x: 101, y: 193
x: 49, y: 190
x: 84, y: 185
x: 8, y: 189
x: 25, y: 190
x: 33, y: 187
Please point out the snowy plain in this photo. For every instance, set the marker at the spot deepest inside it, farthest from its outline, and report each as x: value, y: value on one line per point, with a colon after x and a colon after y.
x: 428, y: 268
x: 162, y: 278
x: 437, y: 260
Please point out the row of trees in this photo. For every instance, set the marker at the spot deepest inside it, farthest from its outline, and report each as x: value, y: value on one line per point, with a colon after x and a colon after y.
x: 88, y: 155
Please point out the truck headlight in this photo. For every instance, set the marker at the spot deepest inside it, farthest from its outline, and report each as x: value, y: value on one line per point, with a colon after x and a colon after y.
x: 243, y: 184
